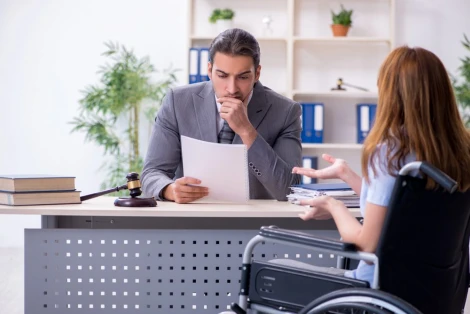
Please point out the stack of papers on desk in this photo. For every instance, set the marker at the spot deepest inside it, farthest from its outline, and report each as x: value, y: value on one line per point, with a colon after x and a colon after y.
x: 339, y: 191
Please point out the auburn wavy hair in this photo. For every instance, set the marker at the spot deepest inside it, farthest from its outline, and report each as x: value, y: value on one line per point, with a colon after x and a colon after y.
x: 417, y: 113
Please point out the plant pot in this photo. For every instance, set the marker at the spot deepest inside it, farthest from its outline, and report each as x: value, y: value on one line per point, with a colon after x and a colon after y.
x: 339, y: 30
x: 222, y: 25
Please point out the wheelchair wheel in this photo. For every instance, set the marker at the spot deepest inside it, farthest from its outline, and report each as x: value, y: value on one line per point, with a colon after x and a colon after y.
x: 352, y: 308
x: 359, y: 300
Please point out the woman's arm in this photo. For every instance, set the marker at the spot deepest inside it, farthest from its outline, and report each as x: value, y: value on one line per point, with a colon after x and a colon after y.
x: 352, y: 179
x: 365, y: 236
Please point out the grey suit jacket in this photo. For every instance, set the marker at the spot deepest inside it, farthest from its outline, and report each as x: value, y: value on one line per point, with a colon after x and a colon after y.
x: 191, y: 111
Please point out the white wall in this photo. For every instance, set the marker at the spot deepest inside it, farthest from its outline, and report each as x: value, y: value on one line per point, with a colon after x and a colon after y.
x: 437, y: 25
x: 50, y: 49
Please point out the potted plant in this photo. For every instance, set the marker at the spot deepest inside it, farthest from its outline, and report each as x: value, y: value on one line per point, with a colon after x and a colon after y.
x: 341, y: 21
x: 110, y: 111
x: 462, y: 86
x: 222, y: 18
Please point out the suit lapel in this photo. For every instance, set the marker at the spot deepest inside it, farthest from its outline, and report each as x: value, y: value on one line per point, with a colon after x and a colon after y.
x: 257, y: 108
x: 205, y: 108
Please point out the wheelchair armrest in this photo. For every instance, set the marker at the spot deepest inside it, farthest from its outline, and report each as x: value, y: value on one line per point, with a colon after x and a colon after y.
x: 291, y: 236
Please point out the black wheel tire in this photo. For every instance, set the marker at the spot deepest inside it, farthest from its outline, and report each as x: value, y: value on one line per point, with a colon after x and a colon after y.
x: 351, y: 308
x: 360, y: 292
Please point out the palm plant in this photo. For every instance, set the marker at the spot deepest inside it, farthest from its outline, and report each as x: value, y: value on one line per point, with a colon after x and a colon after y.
x: 462, y: 89
x: 126, y: 91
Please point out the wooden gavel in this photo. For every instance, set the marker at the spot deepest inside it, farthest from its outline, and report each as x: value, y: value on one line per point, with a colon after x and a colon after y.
x: 134, y: 187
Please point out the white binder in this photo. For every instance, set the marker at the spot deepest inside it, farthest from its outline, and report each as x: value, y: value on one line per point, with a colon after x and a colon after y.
x: 203, y: 60
x: 193, y: 65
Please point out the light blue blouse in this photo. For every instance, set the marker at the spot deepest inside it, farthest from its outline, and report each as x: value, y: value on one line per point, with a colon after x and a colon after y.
x: 378, y: 192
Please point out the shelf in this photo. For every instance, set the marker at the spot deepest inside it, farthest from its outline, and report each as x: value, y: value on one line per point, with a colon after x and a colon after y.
x: 309, y: 39
x: 331, y: 146
x: 257, y: 38
x: 342, y: 94
x: 343, y: 39
x: 302, y: 60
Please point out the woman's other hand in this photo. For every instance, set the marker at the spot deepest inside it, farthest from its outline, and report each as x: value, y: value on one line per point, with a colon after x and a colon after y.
x: 337, y: 169
x: 320, y: 208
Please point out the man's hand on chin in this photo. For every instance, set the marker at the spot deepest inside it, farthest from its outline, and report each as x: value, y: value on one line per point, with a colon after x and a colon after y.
x: 235, y: 112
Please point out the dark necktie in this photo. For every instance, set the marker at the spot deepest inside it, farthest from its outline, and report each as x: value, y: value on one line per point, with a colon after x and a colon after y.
x: 226, y: 134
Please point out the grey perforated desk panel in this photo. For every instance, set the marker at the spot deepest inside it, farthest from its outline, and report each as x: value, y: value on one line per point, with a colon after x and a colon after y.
x: 98, y: 258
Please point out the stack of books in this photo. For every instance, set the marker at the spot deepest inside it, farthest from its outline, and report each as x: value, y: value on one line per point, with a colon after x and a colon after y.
x: 38, y: 190
x: 339, y: 191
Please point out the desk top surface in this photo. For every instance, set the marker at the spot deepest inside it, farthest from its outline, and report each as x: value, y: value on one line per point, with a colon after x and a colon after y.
x: 104, y: 206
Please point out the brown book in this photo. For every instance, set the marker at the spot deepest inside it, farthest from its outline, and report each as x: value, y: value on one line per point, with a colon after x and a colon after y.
x: 36, y: 182
x: 40, y: 198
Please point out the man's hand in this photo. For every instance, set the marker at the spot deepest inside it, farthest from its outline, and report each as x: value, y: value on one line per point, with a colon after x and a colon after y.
x: 234, y: 111
x: 183, y: 190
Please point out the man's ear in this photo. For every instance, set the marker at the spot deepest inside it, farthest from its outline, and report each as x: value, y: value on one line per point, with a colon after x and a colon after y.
x: 257, y: 73
x: 209, y: 70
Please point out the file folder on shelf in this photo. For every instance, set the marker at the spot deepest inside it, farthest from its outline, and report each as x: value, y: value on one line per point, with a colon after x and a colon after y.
x: 193, y: 65
x: 365, y: 119
x: 312, y: 123
x: 309, y: 162
x: 203, y: 60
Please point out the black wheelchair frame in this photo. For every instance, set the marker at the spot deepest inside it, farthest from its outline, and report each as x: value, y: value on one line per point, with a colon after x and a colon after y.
x: 344, y: 295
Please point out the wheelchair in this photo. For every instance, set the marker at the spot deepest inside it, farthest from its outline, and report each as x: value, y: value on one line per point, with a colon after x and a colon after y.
x: 421, y: 262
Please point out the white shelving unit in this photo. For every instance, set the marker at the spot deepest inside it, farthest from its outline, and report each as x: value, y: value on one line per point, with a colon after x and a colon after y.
x: 302, y: 60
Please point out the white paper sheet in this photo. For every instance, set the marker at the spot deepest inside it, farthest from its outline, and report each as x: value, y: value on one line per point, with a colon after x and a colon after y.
x: 223, y: 168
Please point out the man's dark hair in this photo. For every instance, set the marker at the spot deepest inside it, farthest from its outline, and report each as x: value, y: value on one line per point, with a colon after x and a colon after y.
x: 235, y: 42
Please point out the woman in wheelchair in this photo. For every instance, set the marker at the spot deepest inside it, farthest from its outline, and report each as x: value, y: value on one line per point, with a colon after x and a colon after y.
x: 417, y: 119
x: 415, y: 203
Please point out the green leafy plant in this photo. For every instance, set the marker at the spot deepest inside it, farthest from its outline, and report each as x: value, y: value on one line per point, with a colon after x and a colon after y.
x: 343, y: 17
x: 462, y: 88
x: 125, y: 93
x: 221, y: 14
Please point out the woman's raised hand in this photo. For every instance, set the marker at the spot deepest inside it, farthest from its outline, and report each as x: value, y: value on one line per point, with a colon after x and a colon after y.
x: 336, y: 170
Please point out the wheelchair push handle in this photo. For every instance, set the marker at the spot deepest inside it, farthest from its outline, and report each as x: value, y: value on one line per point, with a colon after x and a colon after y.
x: 434, y: 173
x: 302, y: 238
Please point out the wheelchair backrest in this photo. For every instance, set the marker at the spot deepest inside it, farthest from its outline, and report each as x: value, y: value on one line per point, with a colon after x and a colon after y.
x: 424, y: 246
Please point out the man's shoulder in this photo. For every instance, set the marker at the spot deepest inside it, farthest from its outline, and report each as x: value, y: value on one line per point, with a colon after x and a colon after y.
x: 195, y: 88
x: 277, y: 99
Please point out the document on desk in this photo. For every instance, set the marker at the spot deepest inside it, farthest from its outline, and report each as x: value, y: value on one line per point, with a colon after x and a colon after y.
x: 223, y: 168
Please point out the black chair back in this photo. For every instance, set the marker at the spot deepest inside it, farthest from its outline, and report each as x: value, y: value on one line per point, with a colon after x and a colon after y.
x: 424, y: 246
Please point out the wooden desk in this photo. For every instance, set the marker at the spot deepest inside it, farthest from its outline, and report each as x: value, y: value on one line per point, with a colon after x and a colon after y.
x: 174, y: 258
x: 103, y: 206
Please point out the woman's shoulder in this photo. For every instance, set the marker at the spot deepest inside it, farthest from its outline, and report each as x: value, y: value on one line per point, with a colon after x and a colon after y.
x: 384, y: 153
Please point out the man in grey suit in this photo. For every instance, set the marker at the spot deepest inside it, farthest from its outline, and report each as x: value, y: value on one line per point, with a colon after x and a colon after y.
x: 234, y: 107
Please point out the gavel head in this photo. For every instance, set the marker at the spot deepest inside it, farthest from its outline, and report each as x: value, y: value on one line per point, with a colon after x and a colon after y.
x: 339, y: 82
x: 133, y: 184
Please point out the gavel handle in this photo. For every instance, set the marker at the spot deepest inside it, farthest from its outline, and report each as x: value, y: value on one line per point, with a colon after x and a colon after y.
x: 357, y: 87
x: 116, y: 189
